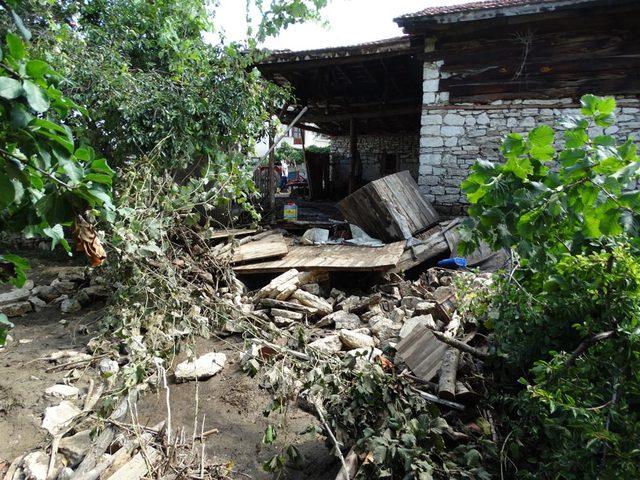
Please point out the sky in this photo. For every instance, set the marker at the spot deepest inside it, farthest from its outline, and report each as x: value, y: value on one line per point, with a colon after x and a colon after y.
x: 348, y: 22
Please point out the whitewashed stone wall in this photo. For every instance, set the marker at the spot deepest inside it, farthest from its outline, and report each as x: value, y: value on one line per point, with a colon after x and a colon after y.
x: 373, y: 150
x: 454, y: 137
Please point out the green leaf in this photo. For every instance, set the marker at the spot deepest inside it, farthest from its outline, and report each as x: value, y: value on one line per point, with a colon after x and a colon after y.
x: 10, y: 88
x: 20, y: 115
x: 541, y: 136
x: 589, y: 105
x: 513, y: 145
x: 56, y: 233
x: 606, y: 105
x: 98, y: 178
x: 36, y: 97
x: 542, y: 153
x: 37, y: 68
x: 101, y: 166
x: 520, y: 167
x: 16, y: 46
x: 5, y: 325
x: 7, y: 191
x: 592, y: 226
x: 576, y: 138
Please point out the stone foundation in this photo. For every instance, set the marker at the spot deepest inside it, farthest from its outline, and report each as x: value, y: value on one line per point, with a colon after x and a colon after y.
x: 397, y: 152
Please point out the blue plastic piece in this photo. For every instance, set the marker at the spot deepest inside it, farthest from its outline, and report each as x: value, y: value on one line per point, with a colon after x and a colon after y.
x: 455, y: 262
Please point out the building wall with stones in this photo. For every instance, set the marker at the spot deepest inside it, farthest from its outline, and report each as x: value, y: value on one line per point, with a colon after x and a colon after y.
x: 454, y: 136
x: 397, y: 153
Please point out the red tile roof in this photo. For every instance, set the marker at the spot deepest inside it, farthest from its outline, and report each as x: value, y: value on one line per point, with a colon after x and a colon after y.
x: 475, y: 6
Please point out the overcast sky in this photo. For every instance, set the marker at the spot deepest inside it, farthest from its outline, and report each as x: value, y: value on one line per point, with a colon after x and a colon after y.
x: 348, y: 22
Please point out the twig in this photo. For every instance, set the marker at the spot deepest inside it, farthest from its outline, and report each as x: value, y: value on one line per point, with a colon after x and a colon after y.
x: 333, y: 439
x: 74, y: 363
x: 52, y: 460
x: 463, y: 347
x: 586, y: 344
x: 202, y: 444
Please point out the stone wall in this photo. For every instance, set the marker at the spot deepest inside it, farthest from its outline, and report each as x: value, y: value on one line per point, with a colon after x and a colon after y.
x: 373, y: 151
x: 454, y: 137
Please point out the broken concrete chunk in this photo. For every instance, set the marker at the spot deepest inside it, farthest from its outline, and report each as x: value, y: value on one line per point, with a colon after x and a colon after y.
x: 313, y: 301
x: 15, y: 295
x: 278, y: 312
x: 70, y: 305
x: 57, y: 418
x: 339, y: 295
x: 16, y: 309
x: 352, y: 339
x: 75, y: 447
x: 62, y: 391
x: 426, y: 320
x: 202, y: 368
x: 349, y: 302
x: 443, y: 293
x: 328, y: 344
x: 74, y: 274
x: 282, y: 321
x: 397, y: 315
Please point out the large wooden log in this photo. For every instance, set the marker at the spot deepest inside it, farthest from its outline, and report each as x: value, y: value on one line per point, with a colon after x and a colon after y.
x: 390, y: 208
x: 448, y: 374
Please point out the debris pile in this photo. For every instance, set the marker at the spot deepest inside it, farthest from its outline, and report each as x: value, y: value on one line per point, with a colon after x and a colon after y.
x: 71, y: 290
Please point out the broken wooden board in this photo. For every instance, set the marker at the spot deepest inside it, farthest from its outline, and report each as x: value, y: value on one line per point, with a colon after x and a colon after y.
x: 330, y: 258
x: 225, y: 233
x: 390, y: 208
x: 422, y: 352
x: 273, y: 246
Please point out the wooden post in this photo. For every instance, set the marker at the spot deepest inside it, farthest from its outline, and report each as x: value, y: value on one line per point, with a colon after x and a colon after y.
x: 355, y: 156
x: 306, y: 164
x: 271, y: 181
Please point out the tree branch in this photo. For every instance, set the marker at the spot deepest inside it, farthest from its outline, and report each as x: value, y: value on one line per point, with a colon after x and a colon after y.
x: 463, y: 347
x: 586, y: 344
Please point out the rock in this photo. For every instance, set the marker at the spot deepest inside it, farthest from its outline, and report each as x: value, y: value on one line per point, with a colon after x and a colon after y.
x: 349, y: 302
x: 446, y: 280
x: 397, y: 315
x: 278, y: 312
x: 62, y: 391
x: 410, y: 302
x: 15, y: 295
x: 35, y: 465
x: 57, y: 418
x: 312, y: 301
x: 45, y: 292
x: 23, y: 341
x: 83, y: 298
x: 70, y: 305
x: 328, y: 344
x: 67, y: 356
x: 96, y: 291
x: 64, y: 287
x: 353, y: 339
x: 339, y: 295
x: 341, y: 319
x: 424, y: 308
x: 443, y: 293
x: 16, y: 309
x: 37, y: 303
x: 108, y: 367
x: 75, y: 447
x: 313, y: 288
x: 65, y: 474
x: 282, y: 321
x: 203, y: 367
x: 426, y: 320
x: 74, y: 274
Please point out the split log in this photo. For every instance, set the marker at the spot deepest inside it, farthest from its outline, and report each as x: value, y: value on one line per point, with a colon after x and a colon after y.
x: 464, y: 394
x: 269, y: 291
x: 137, y: 467
x: 448, y: 374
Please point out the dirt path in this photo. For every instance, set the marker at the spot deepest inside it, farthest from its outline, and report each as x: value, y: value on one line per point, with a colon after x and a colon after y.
x: 234, y: 404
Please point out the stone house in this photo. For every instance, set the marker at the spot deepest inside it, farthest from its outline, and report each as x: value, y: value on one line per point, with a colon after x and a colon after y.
x: 463, y: 76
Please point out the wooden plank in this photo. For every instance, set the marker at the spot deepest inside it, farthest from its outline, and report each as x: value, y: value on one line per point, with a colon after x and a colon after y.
x: 272, y: 246
x: 390, y: 208
x: 330, y: 258
x: 422, y: 352
x: 227, y: 233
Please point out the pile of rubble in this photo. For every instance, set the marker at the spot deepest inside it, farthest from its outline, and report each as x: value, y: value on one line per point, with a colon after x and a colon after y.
x: 417, y: 319
x: 71, y: 290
